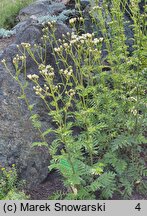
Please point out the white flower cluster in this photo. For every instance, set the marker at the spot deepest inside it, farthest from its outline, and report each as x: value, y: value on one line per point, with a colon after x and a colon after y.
x: 70, y: 93
x: 74, y: 20
x: 18, y: 58
x: 78, y: 41
x: 41, y: 91
x: 44, y: 37
x: 59, y: 49
x: 33, y: 76
x: 84, y: 38
x: 25, y: 45
x: 97, y: 40
x: 3, y: 61
x: 64, y: 46
x: 51, y: 24
x: 48, y: 25
x: 45, y: 29
x: 46, y: 87
x: 133, y: 111
x: 41, y: 66
x: 47, y: 71
x: 96, y: 8
x: 38, y: 90
x: 67, y: 72
x: 132, y: 99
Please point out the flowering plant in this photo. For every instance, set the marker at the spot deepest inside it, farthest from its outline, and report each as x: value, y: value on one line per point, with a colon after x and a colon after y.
x: 97, y: 103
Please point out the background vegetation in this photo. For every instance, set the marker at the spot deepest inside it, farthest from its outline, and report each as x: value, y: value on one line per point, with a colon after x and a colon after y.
x: 10, y: 189
x: 9, y: 10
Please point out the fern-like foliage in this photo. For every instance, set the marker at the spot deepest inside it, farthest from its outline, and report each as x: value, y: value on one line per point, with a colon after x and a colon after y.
x: 106, y: 184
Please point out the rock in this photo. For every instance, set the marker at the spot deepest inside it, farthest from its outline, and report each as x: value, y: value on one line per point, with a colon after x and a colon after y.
x: 37, y: 167
x: 41, y: 11
x: 21, y: 26
x: 37, y: 8
x: 30, y: 33
x: 41, y: 8
x: 17, y: 133
x: 84, y: 4
x: 62, y: 17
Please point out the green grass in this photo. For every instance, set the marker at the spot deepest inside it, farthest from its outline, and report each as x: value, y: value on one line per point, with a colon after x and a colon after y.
x: 9, y: 9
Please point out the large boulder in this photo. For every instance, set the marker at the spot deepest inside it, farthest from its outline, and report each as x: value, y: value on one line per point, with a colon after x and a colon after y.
x: 16, y: 132
x: 41, y: 8
x: 31, y: 32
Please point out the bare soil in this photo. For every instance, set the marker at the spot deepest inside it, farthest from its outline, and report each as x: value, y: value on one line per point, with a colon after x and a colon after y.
x: 54, y: 183
x: 43, y: 191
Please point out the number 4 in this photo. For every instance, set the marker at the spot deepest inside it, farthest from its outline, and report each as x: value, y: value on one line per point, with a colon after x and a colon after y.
x: 138, y: 207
